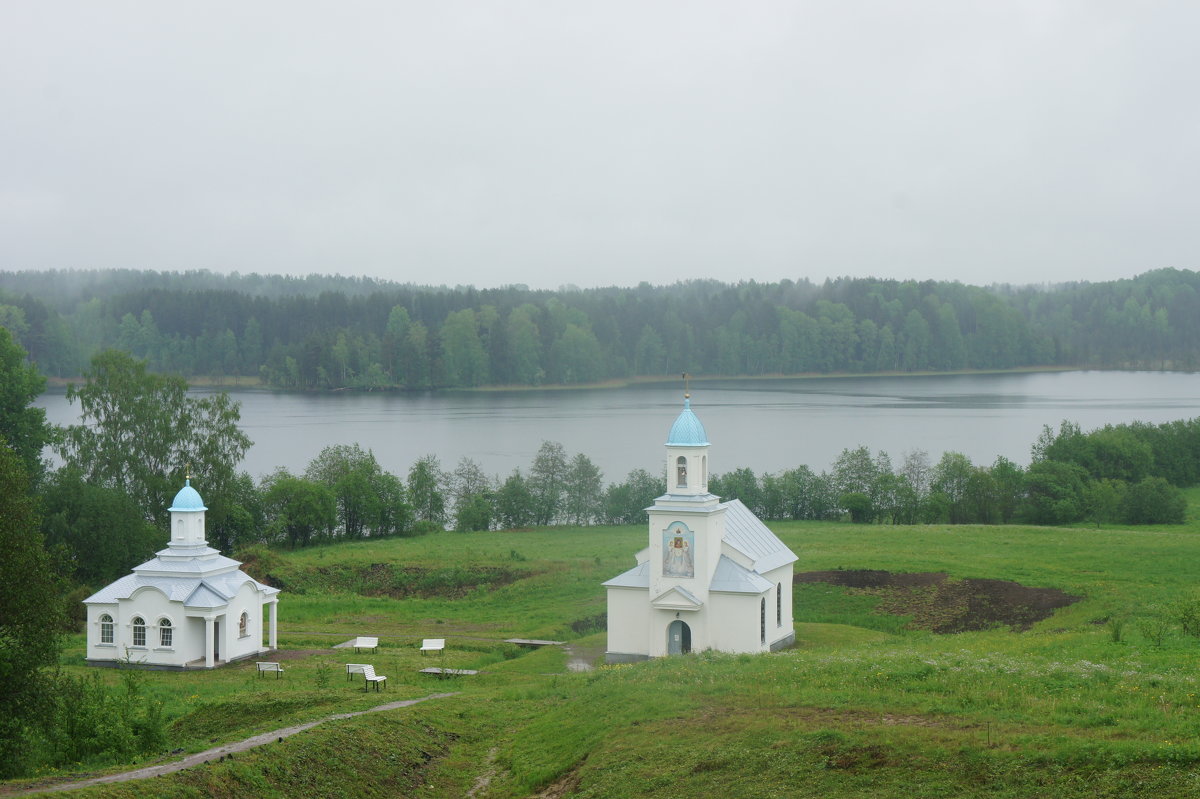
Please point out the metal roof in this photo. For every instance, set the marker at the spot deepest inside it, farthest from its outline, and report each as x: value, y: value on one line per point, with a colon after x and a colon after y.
x: 732, y: 578
x: 749, y: 536
x: 637, y: 577
x: 192, y: 591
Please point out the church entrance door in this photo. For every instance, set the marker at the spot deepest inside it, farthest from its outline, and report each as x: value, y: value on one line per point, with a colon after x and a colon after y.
x: 679, y: 638
x: 216, y: 641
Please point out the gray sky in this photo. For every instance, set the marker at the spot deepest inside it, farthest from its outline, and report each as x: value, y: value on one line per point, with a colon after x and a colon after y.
x: 602, y: 143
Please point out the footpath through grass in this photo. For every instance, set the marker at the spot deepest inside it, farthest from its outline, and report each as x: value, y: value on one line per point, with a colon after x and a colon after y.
x: 1089, y: 702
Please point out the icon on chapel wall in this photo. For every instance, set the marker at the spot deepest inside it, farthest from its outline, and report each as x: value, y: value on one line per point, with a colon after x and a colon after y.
x: 678, y: 548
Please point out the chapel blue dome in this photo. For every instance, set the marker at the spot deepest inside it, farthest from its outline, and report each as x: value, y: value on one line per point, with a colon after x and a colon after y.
x: 687, y: 430
x: 188, y: 499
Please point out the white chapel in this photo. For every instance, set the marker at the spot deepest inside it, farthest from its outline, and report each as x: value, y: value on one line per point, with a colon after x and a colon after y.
x: 713, y: 577
x: 189, y: 607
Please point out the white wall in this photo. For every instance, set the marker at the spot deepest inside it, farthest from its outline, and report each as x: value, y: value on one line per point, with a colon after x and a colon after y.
x: 781, y: 577
x: 152, y: 606
x: 734, y: 622
x: 248, y: 600
x: 628, y: 610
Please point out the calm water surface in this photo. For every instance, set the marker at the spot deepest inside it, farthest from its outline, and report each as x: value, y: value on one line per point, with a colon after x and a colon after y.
x: 767, y: 425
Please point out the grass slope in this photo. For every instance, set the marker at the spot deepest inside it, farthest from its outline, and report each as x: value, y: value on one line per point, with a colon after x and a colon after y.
x: 861, y: 707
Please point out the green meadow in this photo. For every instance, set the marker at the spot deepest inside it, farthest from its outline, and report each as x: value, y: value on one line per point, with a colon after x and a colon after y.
x: 1099, y: 699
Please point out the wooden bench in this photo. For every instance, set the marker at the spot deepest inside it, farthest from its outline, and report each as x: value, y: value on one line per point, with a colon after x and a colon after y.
x: 370, y: 677
x: 433, y: 645
x: 265, y: 665
x: 354, y: 668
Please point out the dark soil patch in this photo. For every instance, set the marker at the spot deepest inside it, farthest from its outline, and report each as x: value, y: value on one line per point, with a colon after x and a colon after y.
x: 944, y: 605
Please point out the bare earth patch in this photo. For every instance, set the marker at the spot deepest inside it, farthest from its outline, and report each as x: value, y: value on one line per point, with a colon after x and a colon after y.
x: 944, y: 605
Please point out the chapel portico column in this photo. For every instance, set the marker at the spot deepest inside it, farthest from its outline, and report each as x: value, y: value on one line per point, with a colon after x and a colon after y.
x: 274, y: 606
x: 208, y: 642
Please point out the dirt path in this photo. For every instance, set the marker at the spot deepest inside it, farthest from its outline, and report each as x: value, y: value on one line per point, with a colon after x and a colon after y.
x: 216, y: 753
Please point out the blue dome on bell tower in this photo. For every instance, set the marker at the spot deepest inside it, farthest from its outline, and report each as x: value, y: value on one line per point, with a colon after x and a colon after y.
x: 687, y: 430
x: 188, y: 499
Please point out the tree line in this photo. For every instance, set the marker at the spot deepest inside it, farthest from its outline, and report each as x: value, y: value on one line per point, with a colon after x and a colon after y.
x: 1124, y: 474
x: 330, y: 333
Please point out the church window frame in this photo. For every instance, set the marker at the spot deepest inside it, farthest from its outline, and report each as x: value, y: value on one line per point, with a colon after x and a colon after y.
x: 244, y: 625
x: 779, y: 604
x: 681, y: 472
x: 166, y: 633
x: 139, y: 631
x: 106, y: 629
x: 762, y: 621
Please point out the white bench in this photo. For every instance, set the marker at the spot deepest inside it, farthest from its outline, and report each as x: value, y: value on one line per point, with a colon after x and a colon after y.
x: 369, y: 677
x: 265, y: 665
x: 433, y: 645
x: 354, y: 668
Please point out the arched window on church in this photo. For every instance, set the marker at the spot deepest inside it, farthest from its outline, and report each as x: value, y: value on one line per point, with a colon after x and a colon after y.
x: 244, y: 625
x: 762, y: 621
x: 139, y: 631
x: 165, y: 632
x: 779, y: 604
x: 106, y: 629
x: 704, y: 472
x: 681, y: 472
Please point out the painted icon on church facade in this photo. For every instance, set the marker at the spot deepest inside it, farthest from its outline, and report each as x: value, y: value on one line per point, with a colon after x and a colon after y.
x: 679, y: 546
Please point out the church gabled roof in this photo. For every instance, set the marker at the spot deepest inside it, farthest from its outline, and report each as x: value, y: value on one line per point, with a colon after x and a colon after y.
x: 732, y: 578
x: 637, y: 577
x: 687, y: 430
x: 676, y: 598
x: 749, y: 536
x: 211, y: 592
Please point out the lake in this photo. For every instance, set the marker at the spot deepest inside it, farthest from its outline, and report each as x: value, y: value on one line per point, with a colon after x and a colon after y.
x: 766, y: 425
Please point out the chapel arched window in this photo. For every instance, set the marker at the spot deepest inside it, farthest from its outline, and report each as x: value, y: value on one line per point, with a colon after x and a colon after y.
x: 244, y: 625
x: 139, y: 631
x: 165, y: 631
x: 762, y: 620
x: 681, y: 472
x: 106, y: 629
x: 779, y: 604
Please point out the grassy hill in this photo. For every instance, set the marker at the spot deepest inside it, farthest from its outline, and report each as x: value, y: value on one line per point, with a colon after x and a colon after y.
x: 1096, y: 700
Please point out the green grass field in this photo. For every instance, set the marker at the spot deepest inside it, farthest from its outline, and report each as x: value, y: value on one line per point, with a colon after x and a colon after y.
x: 1078, y: 705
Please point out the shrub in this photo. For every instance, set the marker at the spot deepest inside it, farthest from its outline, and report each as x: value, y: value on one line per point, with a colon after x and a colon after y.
x: 1155, y: 625
x: 1154, y: 501
x: 425, y: 527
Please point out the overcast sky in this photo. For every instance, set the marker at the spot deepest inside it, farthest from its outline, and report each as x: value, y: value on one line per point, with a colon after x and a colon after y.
x: 602, y: 143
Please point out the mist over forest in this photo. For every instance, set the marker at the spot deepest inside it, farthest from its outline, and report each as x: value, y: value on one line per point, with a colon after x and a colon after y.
x: 332, y: 332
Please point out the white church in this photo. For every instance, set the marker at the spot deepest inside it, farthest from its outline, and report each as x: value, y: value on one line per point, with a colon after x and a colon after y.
x: 713, y: 577
x: 190, y: 607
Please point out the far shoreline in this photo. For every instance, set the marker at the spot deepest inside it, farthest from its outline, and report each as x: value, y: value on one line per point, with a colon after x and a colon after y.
x: 256, y: 384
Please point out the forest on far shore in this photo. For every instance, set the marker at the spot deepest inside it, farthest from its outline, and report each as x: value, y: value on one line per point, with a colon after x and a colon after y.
x: 330, y: 332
